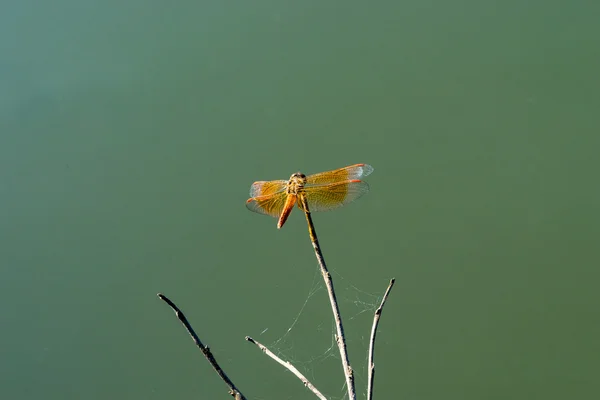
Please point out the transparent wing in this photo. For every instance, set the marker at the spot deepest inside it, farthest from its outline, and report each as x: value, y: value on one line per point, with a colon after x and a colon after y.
x: 267, y: 197
x: 265, y: 188
x: 351, y: 172
x: 334, y: 195
x: 268, y: 205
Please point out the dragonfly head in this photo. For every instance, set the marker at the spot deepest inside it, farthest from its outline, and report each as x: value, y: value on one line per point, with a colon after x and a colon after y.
x: 298, y: 175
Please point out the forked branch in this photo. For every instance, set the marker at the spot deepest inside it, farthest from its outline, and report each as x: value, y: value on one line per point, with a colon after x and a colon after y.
x: 204, y: 349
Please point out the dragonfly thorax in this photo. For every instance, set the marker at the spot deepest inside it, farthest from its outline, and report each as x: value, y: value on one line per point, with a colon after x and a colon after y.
x: 296, y: 183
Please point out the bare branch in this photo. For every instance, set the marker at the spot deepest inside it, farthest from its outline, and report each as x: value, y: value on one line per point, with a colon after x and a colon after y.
x: 340, y: 338
x: 372, y: 341
x: 289, y: 367
x: 233, y: 391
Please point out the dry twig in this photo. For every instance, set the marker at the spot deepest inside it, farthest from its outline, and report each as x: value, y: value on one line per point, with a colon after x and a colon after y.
x: 340, y: 338
x: 204, y: 349
x: 372, y: 341
x: 289, y: 366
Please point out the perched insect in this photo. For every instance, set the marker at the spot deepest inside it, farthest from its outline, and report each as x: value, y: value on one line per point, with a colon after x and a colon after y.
x: 321, y: 192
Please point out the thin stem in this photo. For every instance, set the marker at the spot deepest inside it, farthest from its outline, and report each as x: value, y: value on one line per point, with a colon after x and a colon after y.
x: 372, y: 341
x: 204, y: 349
x: 340, y: 338
x: 289, y: 366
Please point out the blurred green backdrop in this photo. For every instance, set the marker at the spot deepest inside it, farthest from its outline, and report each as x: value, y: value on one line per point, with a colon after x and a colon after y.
x: 130, y: 133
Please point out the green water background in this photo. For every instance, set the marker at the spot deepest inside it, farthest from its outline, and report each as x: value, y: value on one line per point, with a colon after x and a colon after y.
x: 130, y: 133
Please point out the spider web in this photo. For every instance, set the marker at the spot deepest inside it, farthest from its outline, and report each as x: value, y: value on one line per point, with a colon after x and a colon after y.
x: 358, y: 316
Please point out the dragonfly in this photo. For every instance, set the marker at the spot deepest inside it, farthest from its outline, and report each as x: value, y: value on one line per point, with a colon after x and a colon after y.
x: 319, y: 192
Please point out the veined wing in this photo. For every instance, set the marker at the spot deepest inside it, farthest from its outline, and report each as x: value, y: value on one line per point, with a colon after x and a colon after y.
x: 334, y: 195
x: 351, y: 172
x: 267, y: 197
x: 266, y: 188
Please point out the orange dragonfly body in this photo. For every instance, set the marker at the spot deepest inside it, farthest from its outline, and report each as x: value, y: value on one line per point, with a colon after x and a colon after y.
x: 319, y: 192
